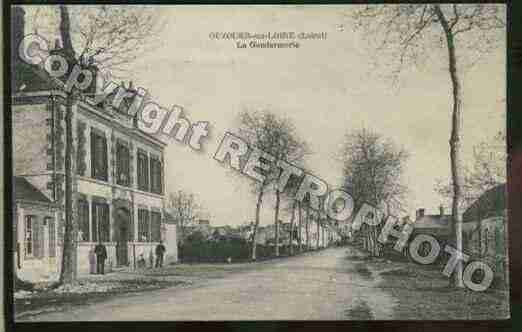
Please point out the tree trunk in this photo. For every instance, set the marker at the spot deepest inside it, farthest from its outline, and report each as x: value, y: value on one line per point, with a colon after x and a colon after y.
x: 300, y: 226
x: 318, y: 233
x: 68, y: 268
x: 291, y: 249
x: 307, y: 227
x: 276, y: 221
x: 456, y: 123
x: 258, y: 211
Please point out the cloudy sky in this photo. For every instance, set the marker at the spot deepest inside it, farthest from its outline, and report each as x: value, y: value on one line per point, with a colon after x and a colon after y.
x: 327, y: 87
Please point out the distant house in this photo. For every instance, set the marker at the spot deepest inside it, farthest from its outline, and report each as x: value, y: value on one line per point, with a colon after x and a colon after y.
x: 438, y: 225
x: 262, y: 235
x: 35, y: 248
x: 247, y: 231
x: 284, y: 233
x: 222, y: 233
x: 485, y: 237
x: 201, y: 226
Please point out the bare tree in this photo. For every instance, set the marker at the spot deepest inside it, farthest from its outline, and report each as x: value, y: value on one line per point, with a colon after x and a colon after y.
x: 111, y: 36
x: 292, y: 221
x: 407, y: 33
x: 488, y: 171
x: 373, y: 169
x: 69, y: 251
x: 276, y: 136
x: 292, y: 205
x: 307, y: 226
x: 185, y: 209
x: 291, y: 149
x: 300, y: 226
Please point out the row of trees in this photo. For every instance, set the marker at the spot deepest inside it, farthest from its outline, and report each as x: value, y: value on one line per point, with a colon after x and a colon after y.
x: 373, y: 170
x: 277, y: 136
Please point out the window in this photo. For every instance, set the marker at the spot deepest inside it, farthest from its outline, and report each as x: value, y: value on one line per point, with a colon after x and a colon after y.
x: 143, y: 226
x: 122, y: 164
x: 143, y: 171
x: 100, y: 222
x: 155, y: 176
x: 83, y: 220
x: 28, y: 238
x: 52, y: 236
x: 98, y: 155
x: 155, y: 220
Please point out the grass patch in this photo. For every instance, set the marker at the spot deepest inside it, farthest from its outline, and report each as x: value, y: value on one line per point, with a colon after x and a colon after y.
x: 423, y: 293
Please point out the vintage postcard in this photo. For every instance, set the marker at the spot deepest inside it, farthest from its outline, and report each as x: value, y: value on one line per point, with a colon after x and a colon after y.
x: 296, y: 162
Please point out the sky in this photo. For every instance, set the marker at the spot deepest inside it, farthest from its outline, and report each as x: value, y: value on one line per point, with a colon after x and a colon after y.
x: 326, y: 87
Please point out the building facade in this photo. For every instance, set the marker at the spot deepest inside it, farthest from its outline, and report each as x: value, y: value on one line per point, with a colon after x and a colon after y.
x: 118, y: 184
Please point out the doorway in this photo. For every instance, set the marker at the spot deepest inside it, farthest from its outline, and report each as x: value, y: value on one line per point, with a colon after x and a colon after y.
x: 122, y: 236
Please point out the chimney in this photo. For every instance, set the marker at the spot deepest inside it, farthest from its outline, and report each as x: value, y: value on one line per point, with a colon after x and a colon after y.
x: 420, y: 213
x: 441, y: 210
x: 57, y: 44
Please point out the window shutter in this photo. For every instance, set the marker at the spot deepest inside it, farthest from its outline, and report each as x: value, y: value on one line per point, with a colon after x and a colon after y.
x: 104, y: 157
x: 140, y: 171
x: 160, y: 177
x: 93, y: 154
x: 156, y: 226
x: 37, y: 238
x: 106, y: 222
x: 94, y: 222
x: 126, y: 164
x: 146, y: 172
x: 52, y: 237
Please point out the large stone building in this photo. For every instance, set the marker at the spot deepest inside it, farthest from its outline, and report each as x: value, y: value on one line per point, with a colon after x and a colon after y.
x: 118, y: 186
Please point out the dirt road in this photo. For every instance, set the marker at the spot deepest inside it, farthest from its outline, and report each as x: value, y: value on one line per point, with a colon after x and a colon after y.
x: 322, y: 285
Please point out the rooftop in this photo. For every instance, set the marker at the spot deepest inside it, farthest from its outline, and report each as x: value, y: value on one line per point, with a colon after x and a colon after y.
x: 26, y: 191
x: 491, y: 203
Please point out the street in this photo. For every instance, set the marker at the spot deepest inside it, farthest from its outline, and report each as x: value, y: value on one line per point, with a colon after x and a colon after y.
x: 322, y: 285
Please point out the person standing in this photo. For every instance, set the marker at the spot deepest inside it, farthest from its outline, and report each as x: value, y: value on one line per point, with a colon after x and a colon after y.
x: 101, y: 256
x: 160, y: 251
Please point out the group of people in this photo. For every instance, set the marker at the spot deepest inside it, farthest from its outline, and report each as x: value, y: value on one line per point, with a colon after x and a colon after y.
x: 99, y: 255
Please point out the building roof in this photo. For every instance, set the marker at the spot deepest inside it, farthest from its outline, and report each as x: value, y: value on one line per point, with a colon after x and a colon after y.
x: 27, y: 192
x: 433, y: 221
x: 490, y: 203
